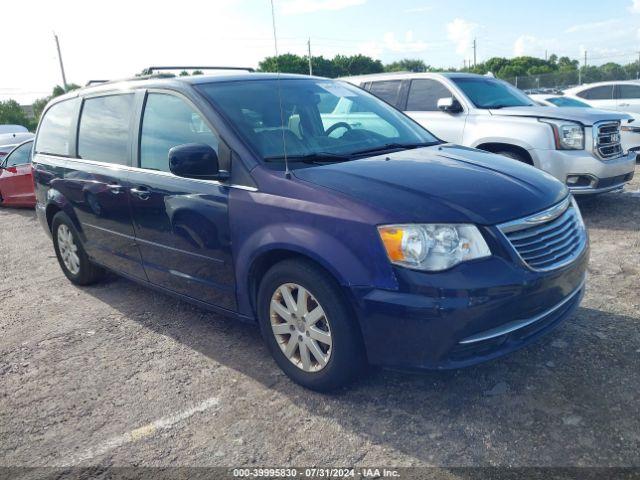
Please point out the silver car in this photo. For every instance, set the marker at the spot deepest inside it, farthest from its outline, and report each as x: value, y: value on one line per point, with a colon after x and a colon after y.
x: 580, y: 147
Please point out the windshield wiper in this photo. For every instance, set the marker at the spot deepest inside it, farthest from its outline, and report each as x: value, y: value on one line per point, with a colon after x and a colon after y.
x: 316, y: 157
x: 392, y: 146
x: 498, y: 107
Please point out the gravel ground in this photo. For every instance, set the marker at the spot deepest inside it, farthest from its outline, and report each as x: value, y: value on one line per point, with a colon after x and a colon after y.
x: 118, y: 375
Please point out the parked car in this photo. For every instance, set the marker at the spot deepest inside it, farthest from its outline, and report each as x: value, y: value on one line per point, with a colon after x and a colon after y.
x: 623, y: 96
x: 349, y: 244
x: 11, y: 139
x: 5, y: 128
x: 629, y: 130
x: 580, y: 147
x: 16, y: 181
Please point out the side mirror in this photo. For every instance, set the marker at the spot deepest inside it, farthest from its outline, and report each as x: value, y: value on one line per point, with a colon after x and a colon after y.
x: 194, y: 160
x: 449, y: 105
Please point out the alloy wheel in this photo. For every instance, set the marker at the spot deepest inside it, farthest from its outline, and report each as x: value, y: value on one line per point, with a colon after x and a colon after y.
x: 301, y: 327
x: 68, y: 249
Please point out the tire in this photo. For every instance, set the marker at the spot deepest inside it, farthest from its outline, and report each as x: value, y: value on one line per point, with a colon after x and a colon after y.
x: 79, y: 269
x: 514, y: 155
x: 344, y: 355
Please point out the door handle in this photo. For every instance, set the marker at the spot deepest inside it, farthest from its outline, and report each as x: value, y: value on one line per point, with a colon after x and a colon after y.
x: 141, y: 192
x: 114, y: 188
x: 625, y: 104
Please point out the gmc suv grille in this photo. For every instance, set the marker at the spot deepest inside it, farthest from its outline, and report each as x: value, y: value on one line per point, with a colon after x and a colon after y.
x: 606, y: 140
x: 548, y: 240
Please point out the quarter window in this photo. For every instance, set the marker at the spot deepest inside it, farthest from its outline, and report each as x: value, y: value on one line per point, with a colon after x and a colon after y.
x: 167, y: 122
x: 389, y: 90
x: 54, y: 133
x: 103, y: 135
x: 628, y: 92
x: 604, y: 92
x: 20, y: 156
x: 424, y: 95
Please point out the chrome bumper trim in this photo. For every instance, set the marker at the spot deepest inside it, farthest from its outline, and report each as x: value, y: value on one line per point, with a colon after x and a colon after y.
x: 518, y: 324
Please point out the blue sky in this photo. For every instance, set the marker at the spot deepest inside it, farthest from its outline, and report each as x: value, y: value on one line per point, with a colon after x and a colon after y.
x: 118, y: 38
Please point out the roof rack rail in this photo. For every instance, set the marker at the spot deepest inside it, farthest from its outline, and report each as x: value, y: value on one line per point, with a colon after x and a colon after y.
x: 92, y: 83
x: 151, y: 69
x: 95, y: 82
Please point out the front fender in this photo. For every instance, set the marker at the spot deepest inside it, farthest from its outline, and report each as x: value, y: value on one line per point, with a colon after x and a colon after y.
x: 347, y: 266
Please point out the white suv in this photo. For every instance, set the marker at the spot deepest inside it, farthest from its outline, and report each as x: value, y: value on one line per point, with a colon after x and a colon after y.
x: 579, y: 146
x: 623, y: 96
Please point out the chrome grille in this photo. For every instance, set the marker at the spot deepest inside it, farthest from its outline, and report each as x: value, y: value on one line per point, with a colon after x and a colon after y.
x: 550, y: 239
x: 606, y: 140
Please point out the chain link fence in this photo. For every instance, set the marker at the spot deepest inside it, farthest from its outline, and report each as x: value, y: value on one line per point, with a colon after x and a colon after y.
x: 567, y: 79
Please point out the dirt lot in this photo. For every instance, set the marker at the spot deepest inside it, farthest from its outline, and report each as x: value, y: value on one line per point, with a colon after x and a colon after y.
x: 118, y: 375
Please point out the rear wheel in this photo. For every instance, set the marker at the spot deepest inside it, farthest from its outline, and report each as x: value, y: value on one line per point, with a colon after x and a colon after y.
x: 308, y: 326
x: 71, y: 255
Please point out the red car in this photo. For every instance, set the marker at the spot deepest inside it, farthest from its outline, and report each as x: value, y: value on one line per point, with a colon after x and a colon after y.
x: 16, y: 180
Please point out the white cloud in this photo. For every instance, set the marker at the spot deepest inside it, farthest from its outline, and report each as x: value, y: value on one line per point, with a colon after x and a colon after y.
x: 597, y: 26
x: 426, y: 8
x: 533, y: 46
x: 635, y: 6
x: 294, y: 7
x: 461, y: 32
x: 408, y: 45
x: 371, y: 49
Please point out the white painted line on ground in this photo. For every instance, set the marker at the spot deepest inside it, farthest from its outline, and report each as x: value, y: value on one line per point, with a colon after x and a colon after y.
x: 147, y: 430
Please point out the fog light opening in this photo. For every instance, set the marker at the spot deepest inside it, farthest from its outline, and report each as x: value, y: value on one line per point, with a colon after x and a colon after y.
x: 580, y: 181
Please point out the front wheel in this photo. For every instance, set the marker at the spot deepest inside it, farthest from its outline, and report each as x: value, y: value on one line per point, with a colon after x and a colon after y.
x: 71, y: 255
x: 308, y: 326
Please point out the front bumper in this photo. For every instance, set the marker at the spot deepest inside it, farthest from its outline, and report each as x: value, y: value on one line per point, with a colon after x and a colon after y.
x: 472, y: 313
x: 600, y: 175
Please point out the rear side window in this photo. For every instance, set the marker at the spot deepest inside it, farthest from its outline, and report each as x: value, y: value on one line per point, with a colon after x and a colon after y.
x: 597, y: 93
x: 54, y: 133
x: 424, y: 95
x: 169, y: 121
x: 628, y: 91
x: 388, y: 91
x: 103, y: 135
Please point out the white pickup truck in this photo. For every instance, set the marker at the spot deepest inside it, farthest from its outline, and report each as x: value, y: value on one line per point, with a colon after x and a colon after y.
x: 580, y: 147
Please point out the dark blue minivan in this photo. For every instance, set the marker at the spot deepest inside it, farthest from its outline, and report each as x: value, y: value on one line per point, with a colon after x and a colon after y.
x: 350, y: 238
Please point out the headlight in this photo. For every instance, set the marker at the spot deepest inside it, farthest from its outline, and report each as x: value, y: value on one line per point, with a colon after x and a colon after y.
x: 432, y: 247
x: 567, y: 135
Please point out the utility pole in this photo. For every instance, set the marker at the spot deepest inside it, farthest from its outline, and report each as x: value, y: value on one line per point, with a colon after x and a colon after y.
x: 309, y: 48
x: 64, y: 78
x: 475, y: 52
x: 464, y: 63
x: 638, y: 71
x: 546, y: 55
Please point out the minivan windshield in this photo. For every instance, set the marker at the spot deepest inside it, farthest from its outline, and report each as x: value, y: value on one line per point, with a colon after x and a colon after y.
x: 488, y: 93
x: 320, y: 120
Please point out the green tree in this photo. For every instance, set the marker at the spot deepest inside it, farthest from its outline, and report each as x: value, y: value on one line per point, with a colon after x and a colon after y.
x: 12, y: 113
x: 407, y: 65
x: 356, y: 65
x: 285, y: 63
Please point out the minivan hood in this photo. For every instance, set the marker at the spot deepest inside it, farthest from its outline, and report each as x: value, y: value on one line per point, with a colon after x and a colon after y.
x: 445, y: 183
x: 586, y: 116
